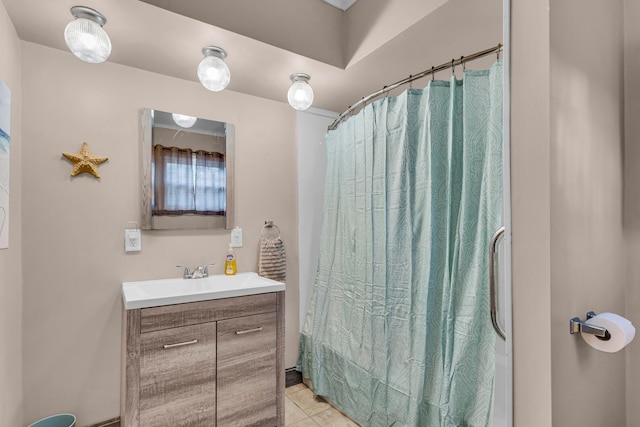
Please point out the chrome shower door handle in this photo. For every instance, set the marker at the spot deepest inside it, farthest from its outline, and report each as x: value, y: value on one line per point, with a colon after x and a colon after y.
x: 493, y: 250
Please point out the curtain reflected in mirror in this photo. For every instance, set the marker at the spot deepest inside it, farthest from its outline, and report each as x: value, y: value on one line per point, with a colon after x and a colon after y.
x: 187, y: 173
x: 188, y: 182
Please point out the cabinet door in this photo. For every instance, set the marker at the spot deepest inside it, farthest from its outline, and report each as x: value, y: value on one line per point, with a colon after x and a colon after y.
x: 247, y: 371
x: 178, y: 376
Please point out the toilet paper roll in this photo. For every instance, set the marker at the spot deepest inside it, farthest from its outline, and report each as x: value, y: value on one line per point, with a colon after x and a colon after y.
x: 621, y: 330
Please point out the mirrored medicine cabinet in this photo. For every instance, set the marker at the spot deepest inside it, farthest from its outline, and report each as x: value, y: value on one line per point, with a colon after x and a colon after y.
x: 186, y: 172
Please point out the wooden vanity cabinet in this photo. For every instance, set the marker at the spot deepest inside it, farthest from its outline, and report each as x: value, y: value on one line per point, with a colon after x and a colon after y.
x: 178, y: 376
x: 246, y: 366
x: 207, y: 363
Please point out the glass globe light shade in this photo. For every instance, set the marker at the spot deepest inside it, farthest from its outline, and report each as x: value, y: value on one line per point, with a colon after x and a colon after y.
x: 183, y: 120
x: 300, y: 95
x: 214, y: 73
x: 87, y: 40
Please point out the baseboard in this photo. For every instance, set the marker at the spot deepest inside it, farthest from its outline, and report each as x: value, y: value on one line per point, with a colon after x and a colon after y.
x: 113, y: 422
x: 292, y: 377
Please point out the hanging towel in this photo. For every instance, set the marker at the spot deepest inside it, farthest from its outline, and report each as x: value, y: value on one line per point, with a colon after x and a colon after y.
x: 272, y: 262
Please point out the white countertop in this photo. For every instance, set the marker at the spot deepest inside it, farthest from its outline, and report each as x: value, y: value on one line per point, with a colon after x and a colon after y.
x: 152, y: 293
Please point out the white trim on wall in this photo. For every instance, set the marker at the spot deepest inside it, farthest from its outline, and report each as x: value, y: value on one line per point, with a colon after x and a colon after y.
x: 311, y: 126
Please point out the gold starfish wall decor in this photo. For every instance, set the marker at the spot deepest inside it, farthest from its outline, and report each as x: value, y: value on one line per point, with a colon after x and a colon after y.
x: 85, y: 161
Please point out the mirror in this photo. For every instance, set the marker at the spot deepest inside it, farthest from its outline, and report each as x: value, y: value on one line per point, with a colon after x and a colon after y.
x: 186, y: 172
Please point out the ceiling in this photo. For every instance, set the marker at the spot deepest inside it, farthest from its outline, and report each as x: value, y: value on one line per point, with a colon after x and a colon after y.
x: 348, y: 54
x: 341, y: 4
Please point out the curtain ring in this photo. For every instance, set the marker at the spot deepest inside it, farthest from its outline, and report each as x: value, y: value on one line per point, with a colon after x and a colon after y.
x: 386, y: 93
x: 453, y: 67
x: 464, y: 65
x: 498, y: 55
x: 410, y: 81
x: 433, y: 74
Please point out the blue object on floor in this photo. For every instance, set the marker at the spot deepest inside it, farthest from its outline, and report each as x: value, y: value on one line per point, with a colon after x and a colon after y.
x: 60, y: 420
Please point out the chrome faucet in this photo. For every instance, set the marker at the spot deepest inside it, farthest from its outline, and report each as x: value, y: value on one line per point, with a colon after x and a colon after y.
x: 197, y: 273
x: 187, y: 273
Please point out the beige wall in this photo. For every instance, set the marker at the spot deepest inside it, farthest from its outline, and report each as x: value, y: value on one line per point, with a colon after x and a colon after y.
x: 632, y: 199
x: 73, y: 242
x: 10, y: 259
x: 587, y: 244
x: 568, y: 246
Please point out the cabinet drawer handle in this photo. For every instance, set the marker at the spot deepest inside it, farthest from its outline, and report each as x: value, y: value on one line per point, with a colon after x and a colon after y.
x: 248, y: 331
x: 180, y: 344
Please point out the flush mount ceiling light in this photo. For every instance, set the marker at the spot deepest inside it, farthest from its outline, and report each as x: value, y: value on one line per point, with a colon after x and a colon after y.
x: 183, y: 120
x: 212, y: 70
x: 300, y: 93
x: 85, y: 36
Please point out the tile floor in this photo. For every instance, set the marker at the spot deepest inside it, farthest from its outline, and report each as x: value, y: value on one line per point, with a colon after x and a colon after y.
x: 303, y: 409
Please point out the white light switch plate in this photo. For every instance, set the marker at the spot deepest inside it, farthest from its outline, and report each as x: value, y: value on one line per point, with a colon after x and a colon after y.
x: 236, y: 237
x: 132, y: 240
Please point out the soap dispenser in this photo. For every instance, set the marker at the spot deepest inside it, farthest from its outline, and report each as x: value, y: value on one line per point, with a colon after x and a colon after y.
x: 230, y: 263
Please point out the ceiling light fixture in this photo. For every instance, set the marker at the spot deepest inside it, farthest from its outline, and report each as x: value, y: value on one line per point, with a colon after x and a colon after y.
x: 85, y: 36
x: 300, y: 93
x: 213, y: 72
x: 183, y: 120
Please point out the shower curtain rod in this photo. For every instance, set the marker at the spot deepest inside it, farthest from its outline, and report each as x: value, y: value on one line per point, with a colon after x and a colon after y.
x: 432, y: 71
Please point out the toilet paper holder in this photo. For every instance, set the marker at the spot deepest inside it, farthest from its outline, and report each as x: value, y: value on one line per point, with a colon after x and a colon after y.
x: 576, y: 326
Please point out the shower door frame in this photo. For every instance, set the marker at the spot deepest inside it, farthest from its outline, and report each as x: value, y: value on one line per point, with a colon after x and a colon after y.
x: 506, y: 186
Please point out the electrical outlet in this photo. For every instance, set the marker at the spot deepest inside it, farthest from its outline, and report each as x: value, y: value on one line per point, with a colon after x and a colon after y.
x: 132, y: 240
x: 236, y: 237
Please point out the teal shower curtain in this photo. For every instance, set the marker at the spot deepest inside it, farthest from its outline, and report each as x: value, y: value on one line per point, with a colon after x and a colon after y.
x: 398, y: 330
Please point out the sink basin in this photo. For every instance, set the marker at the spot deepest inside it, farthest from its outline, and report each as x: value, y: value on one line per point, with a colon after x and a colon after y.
x: 152, y: 293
